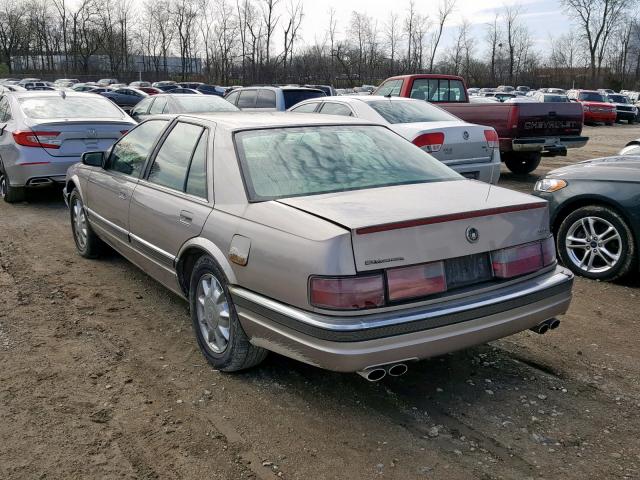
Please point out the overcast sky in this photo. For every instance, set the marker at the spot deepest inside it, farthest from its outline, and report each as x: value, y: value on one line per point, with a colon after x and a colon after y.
x: 543, y: 17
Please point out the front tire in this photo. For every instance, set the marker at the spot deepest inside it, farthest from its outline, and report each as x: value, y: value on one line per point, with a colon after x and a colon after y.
x: 7, y: 192
x: 522, y: 163
x: 87, y: 242
x: 220, y: 336
x: 596, y: 242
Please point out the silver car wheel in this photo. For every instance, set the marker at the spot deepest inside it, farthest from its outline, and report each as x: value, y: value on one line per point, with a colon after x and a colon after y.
x: 212, y: 309
x: 3, y: 185
x: 79, y: 224
x: 593, y: 244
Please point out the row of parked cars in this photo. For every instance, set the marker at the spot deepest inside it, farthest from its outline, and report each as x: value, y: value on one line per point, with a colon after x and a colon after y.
x: 335, y: 233
x: 600, y: 106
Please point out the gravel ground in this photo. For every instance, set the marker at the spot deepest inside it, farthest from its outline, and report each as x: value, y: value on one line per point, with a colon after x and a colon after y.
x: 100, y: 378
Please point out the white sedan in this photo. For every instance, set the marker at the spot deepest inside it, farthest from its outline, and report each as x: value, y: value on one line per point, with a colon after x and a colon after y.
x: 471, y: 150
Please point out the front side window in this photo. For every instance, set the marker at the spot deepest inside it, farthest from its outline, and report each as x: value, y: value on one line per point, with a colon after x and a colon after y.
x: 158, y: 106
x: 131, y: 152
x: 305, y: 108
x: 297, y: 161
x: 390, y: 88
x: 171, y: 164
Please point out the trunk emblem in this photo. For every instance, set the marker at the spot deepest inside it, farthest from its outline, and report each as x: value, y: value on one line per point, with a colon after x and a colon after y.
x: 472, y: 235
x: 465, y: 135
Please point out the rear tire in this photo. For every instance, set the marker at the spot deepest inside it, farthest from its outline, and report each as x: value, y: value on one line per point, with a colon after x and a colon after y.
x: 608, y: 256
x: 220, y: 336
x: 87, y: 242
x: 7, y: 192
x: 522, y: 163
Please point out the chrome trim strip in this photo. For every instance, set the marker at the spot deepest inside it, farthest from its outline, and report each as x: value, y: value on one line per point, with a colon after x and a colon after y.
x: 110, y: 224
x: 151, y: 246
x: 365, y: 322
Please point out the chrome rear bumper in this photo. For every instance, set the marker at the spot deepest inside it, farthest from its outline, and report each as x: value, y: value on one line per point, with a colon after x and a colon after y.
x: 543, y: 144
x: 354, y: 343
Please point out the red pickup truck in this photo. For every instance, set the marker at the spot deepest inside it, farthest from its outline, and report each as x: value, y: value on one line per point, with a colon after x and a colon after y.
x: 526, y: 130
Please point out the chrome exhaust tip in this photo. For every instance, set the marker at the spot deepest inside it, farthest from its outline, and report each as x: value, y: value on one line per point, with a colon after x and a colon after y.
x: 397, y: 370
x: 373, y: 374
x: 541, y: 328
x: 554, y: 323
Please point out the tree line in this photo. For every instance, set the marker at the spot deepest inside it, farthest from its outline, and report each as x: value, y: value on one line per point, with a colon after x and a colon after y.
x: 260, y: 41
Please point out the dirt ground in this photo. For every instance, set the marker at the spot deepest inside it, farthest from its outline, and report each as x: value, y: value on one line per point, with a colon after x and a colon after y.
x: 100, y: 378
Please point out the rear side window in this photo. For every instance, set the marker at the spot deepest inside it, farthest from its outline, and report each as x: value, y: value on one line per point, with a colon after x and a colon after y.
x: 197, y: 176
x: 5, y: 110
x: 266, y: 99
x: 331, y: 108
x: 131, y: 152
x: 171, y: 164
x: 291, y: 97
x: 232, y: 97
x: 390, y: 88
x: 158, y: 106
x: 247, y: 99
x: 438, y: 90
x: 89, y: 106
x: 143, y: 107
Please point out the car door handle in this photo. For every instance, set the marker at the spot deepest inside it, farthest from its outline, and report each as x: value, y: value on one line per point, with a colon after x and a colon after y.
x: 122, y: 195
x: 186, y: 217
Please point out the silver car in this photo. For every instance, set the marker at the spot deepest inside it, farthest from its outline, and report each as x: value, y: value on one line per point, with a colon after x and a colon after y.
x: 43, y: 133
x: 326, y: 239
x: 471, y: 150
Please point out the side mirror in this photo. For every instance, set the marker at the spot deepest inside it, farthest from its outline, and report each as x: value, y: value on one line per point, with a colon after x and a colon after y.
x: 93, y: 159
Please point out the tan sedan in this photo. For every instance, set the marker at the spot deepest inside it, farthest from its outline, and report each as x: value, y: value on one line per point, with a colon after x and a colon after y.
x: 330, y: 240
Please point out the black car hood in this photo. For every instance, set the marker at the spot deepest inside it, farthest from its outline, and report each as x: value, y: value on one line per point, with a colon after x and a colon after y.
x: 619, y: 168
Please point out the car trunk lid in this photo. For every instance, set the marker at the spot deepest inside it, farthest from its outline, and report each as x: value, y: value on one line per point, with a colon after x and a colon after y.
x: 74, y: 137
x: 462, y: 143
x: 411, y: 224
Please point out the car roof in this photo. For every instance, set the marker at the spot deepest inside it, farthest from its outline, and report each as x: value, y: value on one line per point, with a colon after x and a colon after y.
x: 235, y: 121
x: 359, y: 98
x: 51, y: 93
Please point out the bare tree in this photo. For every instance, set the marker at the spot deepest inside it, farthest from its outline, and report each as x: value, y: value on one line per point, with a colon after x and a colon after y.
x: 597, y: 20
x: 444, y: 11
x: 393, y: 39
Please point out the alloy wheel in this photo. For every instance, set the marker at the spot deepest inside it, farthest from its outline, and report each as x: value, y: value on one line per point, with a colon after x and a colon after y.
x: 593, y: 244
x: 79, y: 224
x: 212, y: 310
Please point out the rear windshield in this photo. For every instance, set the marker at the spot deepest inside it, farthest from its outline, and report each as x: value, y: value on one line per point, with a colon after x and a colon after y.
x: 291, y: 97
x: 205, y: 104
x: 556, y: 98
x: 289, y: 162
x: 69, y: 107
x: 410, y: 112
x: 618, y: 99
x: 590, y: 97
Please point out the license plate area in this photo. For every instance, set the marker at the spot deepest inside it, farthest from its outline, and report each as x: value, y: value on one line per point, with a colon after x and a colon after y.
x: 468, y: 270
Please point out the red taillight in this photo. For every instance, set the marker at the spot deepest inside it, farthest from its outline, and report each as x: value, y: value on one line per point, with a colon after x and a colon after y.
x: 523, y: 259
x: 348, y: 293
x: 492, y: 138
x: 514, y: 114
x: 416, y: 281
x: 430, y: 142
x: 27, y: 138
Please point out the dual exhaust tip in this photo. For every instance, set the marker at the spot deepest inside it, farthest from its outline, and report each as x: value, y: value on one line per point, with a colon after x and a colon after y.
x: 375, y: 374
x: 545, y: 326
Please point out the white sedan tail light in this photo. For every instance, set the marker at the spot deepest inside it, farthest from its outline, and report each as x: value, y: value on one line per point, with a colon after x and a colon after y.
x: 522, y: 259
x: 492, y: 138
x: 430, y: 142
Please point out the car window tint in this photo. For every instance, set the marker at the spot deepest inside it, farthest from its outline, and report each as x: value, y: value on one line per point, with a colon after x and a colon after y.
x: 291, y: 97
x: 305, y: 108
x: 266, y: 99
x: 170, y: 166
x: 331, y: 108
x: 390, y: 88
x: 158, y: 105
x: 143, y: 107
x: 232, y: 97
x: 197, y: 178
x: 247, y: 99
x: 130, y: 153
